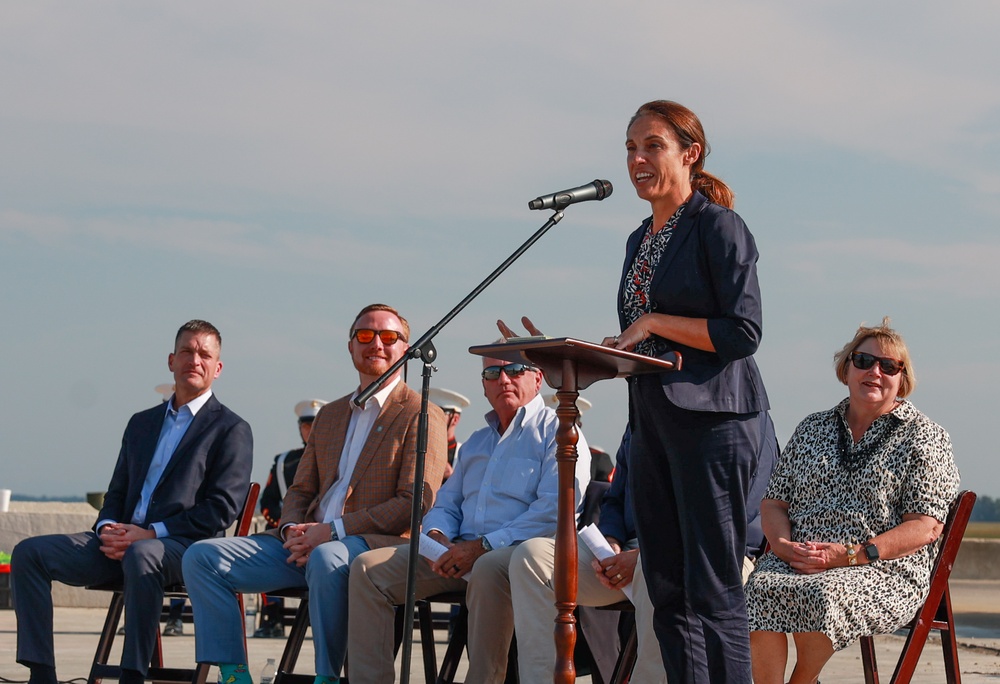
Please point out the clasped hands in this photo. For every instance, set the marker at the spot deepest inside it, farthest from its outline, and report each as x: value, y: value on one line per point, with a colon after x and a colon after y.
x: 811, y: 557
x: 302, y: 538
x: 117, y: 537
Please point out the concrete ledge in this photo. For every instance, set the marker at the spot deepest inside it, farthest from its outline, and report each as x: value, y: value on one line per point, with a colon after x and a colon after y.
x: 30, y: 519
x: 978, y: 559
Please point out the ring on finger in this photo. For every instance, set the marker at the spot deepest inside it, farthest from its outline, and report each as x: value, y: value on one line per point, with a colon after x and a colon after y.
x: 618, y: 577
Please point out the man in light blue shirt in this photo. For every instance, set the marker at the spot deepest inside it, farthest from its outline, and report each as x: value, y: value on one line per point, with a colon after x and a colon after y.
x: 503, y: 491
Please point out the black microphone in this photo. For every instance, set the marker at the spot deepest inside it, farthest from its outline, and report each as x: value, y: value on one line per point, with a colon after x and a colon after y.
x: 597, y: 190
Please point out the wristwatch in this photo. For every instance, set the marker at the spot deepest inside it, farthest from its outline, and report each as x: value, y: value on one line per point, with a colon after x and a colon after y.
x: 333, y: 532
x: 871, y: 552
x: 486, y: 544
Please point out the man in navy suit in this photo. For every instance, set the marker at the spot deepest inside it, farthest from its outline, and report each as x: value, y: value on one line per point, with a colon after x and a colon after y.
x: 182, y: 474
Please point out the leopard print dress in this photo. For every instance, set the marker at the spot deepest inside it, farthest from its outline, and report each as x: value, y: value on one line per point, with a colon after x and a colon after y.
x: 914, y: 472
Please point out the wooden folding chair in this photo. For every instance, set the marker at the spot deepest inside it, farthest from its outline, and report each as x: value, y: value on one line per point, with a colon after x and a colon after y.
x: 936, y: 612
x: 101, y: 668
x: 300, y: 625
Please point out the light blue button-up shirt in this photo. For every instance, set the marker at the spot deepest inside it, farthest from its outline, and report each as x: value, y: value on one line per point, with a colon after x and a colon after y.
x: 505, y: 487
x: 175, y: 425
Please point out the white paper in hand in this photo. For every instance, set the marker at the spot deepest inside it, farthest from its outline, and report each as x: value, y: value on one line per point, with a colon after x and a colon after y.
x: 601, y: 549
x: 432, y: 550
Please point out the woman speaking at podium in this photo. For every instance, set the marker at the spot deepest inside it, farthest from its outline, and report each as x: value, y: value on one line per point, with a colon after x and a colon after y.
x: 689, y: 284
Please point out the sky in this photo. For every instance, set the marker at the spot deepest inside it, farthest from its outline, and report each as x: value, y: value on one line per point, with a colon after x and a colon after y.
x: 274, y: 167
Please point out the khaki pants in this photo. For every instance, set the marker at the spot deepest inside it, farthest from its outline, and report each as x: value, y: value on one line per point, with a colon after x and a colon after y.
x: 378, y: 582
x: 533, y: 598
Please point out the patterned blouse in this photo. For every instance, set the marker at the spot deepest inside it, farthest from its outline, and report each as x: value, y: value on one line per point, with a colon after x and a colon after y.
x: 636, y: 301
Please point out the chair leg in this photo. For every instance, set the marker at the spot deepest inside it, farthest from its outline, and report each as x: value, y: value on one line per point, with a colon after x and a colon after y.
x: 107, y: 639
x: 456, y: 646
x: 296, y: 635
x: 949, y: 644
x: 868, y: 659
x: 426, y: 622
x: 626, y: 658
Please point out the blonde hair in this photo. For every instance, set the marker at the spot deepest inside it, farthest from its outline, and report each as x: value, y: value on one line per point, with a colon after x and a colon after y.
x: 890, y: 342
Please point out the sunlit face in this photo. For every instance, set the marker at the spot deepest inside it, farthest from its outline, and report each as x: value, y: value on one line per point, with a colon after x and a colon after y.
x: 374, y: 358
x: 195, y: 363
x: 657, y: 165
x: 507, y: 394
x: 872, y: 387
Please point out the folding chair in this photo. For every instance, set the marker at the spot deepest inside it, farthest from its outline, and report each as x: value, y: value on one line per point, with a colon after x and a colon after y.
x: 936, y: 612
x: 457, y: 644
x: 101, y: 669
x: 300, y: 625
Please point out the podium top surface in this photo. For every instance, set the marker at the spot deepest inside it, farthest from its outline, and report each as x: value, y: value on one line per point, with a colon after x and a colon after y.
x: 593, y: 361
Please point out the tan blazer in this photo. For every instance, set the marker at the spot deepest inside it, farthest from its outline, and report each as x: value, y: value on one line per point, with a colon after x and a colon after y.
x: 381, y: 488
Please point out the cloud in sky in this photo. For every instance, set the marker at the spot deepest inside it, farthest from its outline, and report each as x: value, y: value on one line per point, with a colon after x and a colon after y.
x: 274, y: 168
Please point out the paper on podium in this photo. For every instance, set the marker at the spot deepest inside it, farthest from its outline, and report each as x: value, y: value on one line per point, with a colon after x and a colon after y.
x: 600, y: 547
x: 432, y: 550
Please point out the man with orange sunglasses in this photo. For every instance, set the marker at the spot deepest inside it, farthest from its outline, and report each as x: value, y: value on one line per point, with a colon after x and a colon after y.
x: 352, y: 492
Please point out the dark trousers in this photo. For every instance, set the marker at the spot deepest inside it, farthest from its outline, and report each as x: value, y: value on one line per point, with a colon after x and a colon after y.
x: 690, y: 473
x: 76, y: 559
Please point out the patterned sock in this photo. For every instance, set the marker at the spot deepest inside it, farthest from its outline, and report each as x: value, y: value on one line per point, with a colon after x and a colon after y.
x: 234, y: 673
x: 322, y: 679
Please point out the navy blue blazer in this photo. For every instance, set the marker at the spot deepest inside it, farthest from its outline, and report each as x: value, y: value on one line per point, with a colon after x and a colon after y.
x: 617, y: 519
x: 203, y: 486
x: 709, y: 270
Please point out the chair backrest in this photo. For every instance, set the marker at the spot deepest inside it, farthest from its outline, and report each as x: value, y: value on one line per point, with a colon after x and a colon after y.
x: 951, y: 540
x: 245, y: 519
x: 936, y: 611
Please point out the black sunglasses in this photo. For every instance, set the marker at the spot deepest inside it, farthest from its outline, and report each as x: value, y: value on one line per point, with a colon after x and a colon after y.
x: 512, y: 370
x: 388, y: 337
x: 864, y: 361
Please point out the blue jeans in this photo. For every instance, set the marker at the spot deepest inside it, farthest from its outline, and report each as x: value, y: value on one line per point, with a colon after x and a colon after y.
x: 215, y: 569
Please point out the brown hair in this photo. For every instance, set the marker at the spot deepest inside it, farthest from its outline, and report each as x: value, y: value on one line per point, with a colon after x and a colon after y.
x: 687, y: 127
x: 382, y: 307
x: 890, y: 342
x: 197, y: 326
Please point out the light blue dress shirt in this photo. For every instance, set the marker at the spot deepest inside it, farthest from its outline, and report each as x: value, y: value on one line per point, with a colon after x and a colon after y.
x: 505, y: 487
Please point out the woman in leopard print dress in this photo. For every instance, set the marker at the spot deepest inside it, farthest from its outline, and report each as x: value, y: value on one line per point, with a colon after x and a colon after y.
x: 853, y: 512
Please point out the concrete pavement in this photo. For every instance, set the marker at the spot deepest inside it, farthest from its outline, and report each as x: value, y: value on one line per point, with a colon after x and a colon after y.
x: 976, y: 603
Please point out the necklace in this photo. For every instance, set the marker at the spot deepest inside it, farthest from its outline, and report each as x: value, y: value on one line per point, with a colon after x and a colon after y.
x: 853, y: 458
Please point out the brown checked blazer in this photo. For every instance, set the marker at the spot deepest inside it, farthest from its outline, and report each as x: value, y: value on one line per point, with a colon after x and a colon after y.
x: 381, y: 488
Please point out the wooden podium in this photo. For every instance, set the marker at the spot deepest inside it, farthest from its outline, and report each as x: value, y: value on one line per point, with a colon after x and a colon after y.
x: 569, y: 366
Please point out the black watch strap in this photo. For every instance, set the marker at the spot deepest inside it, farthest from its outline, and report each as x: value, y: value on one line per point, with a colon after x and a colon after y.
x: 871, y: 552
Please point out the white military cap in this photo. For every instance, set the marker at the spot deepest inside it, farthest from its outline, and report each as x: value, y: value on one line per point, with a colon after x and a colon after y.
x: 581, y: 403
x: 448, y: 400
x: 308, y: 408
x: 165, y: 390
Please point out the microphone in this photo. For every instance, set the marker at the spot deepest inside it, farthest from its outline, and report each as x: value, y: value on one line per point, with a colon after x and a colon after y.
x: 597, y: 190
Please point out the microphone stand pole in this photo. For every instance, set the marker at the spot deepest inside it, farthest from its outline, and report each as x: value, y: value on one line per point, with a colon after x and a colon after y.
x: 424, y: 349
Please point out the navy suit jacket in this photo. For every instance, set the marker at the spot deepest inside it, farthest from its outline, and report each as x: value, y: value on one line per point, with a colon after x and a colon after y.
x: 203, y: 486
x: 709, y: 270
